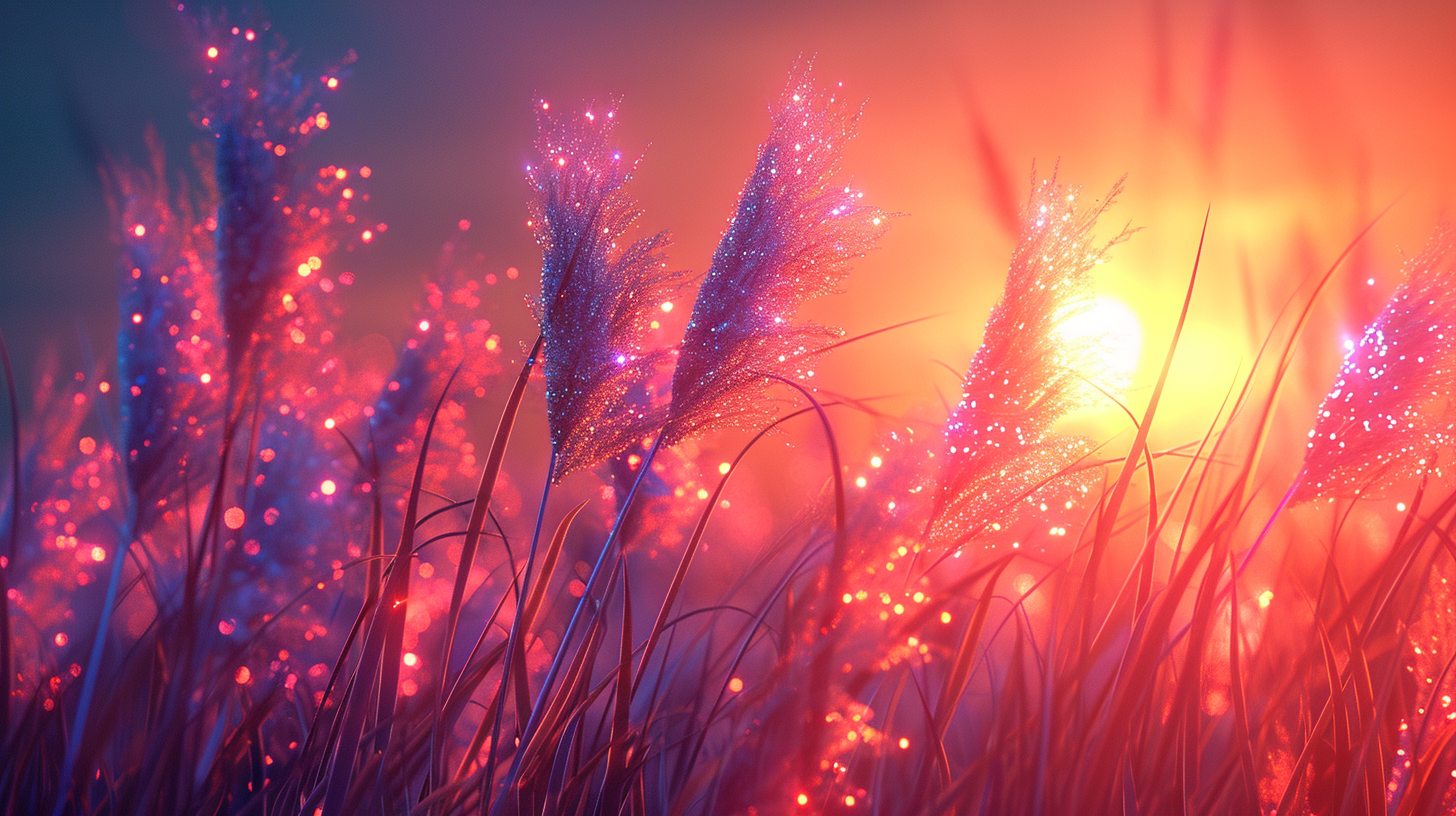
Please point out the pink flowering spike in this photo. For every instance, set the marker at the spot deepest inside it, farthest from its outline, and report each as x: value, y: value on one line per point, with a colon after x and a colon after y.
x: 796, y: 229
x: 1389, y: 412
x: 598, y: 291
x: 999, y: 444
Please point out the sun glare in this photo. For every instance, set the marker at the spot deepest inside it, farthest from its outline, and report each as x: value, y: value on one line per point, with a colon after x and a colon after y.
x: 1114, y: 329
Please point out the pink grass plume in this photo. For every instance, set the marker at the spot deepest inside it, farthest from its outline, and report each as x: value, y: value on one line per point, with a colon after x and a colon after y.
x: 999, y: 444
x: 1388, y: 413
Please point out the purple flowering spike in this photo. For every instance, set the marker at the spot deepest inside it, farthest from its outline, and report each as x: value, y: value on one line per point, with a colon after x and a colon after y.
x: 598, y: 291
x: 1026, y: 375
x: 254, y: 106
x: 1388, y: 411
x: 792, y: 238
x: 169, y: 343
x: 449, y: 330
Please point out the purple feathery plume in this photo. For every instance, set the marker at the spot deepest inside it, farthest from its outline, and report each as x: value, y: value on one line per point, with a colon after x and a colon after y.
x: 168, y: 346
x: 598, y: 292
x: 792, y: 238
x: 1026, y: 375
x: 1388, y: 411
x: 448, y: 331
x: 258, y: 111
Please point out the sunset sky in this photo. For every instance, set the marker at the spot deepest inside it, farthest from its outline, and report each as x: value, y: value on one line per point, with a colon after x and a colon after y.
x: 1293, y: 123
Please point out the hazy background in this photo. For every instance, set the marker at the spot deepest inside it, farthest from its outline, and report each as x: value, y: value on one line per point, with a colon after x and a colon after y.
x: 1294, y: 121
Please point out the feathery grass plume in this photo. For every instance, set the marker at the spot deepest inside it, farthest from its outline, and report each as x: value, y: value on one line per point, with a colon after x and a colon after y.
x: 1026, y: 375
x: 169, y: 344
x: 1389, y: 410
x: 448, y: 331
x: 259, y: 112
x: 796, y: 229
x: 598, y: 292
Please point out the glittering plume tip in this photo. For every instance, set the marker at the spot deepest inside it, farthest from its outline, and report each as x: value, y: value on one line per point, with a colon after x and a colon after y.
x: 795, y: 231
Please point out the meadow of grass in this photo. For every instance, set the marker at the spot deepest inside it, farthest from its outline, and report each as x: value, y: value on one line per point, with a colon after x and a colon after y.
x: 248, y: 572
